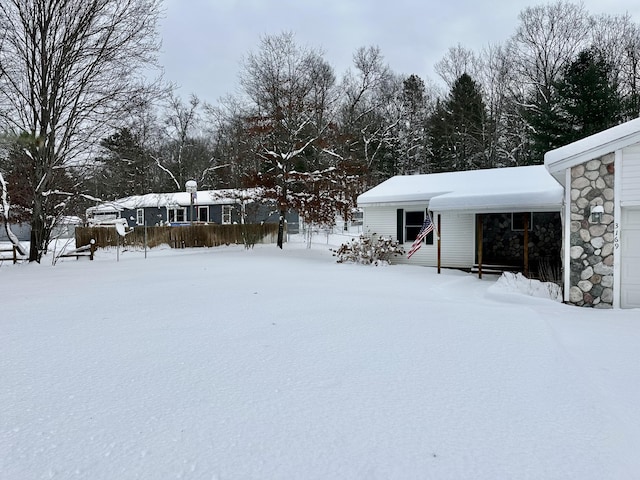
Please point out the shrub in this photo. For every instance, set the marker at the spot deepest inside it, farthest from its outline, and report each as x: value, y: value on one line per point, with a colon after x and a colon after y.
x: 368, y: 250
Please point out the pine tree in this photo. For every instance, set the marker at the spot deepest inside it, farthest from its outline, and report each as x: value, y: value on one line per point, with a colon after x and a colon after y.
x: 125, y: 168
x: 411, y: 129
x: 584, y: 101
x: 588, y: 96
x: 457, y: 128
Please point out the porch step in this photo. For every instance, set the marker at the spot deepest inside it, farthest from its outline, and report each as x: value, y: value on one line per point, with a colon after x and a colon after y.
x: 495, y: 269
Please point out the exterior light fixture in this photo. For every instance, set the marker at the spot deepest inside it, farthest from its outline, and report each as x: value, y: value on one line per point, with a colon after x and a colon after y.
x: 596, y: 214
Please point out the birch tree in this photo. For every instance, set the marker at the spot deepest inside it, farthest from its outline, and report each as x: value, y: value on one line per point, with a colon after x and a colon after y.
x: 69, y: 71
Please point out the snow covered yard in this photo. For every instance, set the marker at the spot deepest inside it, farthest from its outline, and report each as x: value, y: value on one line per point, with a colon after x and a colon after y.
x: 268, y: 364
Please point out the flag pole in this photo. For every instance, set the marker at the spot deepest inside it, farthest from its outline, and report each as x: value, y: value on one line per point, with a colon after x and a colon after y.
x: 436, y: 231
x: 439, y: 244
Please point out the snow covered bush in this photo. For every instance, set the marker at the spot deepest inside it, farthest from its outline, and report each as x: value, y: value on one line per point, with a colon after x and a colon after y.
x: 368, y: 250
x: 517, y: 283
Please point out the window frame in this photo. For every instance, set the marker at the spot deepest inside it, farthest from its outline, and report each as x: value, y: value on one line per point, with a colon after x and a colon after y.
x: 203, y: 208
x: 140, y: 216
x: 225, y: 215
x: 172, y: 214
x: 415, y: 228
x: 518, y: 226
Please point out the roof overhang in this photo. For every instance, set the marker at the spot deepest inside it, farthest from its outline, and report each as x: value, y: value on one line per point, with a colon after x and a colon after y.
x: 516, y: 189
x: 539, y: 201
x: 595, y: 146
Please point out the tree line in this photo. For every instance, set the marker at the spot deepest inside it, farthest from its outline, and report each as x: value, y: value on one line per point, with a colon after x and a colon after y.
x: 79, y: 125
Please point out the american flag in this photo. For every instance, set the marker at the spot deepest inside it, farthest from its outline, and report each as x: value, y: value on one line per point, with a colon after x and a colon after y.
x: 427, y: 226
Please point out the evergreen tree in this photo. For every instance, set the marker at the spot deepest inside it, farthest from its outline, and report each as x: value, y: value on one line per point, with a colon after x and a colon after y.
x: 457, y: 128
x: 588, y: 96
x: 547, y: 127
x: 411, y: 144
x: 584, y: 101
x: 124, y: 169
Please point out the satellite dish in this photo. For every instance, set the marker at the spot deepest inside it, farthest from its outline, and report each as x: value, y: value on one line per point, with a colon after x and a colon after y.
x: 120, y: 229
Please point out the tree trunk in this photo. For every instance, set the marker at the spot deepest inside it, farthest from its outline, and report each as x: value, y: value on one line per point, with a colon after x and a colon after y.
x: 37, y: 232
x: 281, y: 229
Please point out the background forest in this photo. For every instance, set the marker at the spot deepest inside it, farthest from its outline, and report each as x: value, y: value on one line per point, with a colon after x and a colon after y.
x: 81, y: 121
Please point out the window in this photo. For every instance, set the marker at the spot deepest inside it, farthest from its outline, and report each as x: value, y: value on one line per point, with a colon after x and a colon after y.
x: 203, y: 214
x: 357, y: 218
x: 412, y: 224
x: 226, y: 214
x: 517, y: 221
x: 140, y: 216
x: 177, y: 215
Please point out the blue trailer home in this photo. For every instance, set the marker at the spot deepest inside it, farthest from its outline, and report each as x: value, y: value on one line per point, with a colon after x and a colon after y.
x: 221, y: 207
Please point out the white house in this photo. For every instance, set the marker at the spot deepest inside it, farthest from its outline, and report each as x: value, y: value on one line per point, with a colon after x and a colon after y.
x: 492, y: 216
x: 601, y: 238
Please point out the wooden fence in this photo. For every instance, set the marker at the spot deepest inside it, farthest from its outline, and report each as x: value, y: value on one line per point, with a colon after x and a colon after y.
x: 181, y: 237
x: 13, y: 250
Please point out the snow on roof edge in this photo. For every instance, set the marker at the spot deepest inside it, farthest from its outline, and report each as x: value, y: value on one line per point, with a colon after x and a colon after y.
x: 499, y: 189
x: 593, y: 146
x: 176, y: 199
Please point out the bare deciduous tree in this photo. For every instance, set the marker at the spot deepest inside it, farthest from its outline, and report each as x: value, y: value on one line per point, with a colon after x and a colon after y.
x: 617, y: 39
x: 458, y: 61
x: 69, y: 70
x: 547, y: 39
x: 291, y: 100
x: 370, y: 111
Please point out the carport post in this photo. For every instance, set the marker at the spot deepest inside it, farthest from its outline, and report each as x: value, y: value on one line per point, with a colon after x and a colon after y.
x: 526, y: 244
x: 479, y: 242
x: 439, y: 253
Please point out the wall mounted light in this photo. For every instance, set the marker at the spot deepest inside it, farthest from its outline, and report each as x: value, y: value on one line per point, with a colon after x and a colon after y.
x: 596, y: 214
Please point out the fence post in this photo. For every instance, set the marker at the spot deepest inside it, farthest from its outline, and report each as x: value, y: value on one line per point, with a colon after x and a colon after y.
x: 92, y: 248
x: 15, y: 255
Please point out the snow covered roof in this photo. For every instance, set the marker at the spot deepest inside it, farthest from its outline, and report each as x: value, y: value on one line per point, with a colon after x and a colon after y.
x: 176, y: 199
x: 512, y: 189
x: 594, y: 146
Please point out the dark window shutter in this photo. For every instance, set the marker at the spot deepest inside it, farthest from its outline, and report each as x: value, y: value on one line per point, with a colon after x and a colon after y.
x: 400, y: 225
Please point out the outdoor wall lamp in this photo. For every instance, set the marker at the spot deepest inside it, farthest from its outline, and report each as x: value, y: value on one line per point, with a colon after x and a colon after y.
x: 596, y: 214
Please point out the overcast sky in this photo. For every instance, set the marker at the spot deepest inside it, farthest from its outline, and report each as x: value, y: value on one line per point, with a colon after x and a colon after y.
x: 204, y: 41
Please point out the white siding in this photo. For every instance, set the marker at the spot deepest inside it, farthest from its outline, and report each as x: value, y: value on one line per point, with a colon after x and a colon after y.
x: 630, y: 178
x: 380, y: 221
x: 457, y: 236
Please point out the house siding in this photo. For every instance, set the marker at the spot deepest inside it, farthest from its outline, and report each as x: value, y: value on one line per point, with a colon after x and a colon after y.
x: 458, y: 240
x: 457, y: 236
x: 21, y: 230
x: 630, y: 178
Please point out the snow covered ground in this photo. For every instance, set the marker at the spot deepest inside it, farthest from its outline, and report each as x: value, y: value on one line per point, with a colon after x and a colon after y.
x: 266, y: 364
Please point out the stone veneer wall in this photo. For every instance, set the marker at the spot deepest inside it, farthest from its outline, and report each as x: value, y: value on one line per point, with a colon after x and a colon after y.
x: 592, y: 243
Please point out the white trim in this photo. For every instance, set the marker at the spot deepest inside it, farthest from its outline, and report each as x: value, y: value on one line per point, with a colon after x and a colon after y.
x: 198, y: 212
x: 594, y: 146
x: 618, y: 166
x: 139, y: 216
x: 175, y: 210
x: 424, y: 212
x: 497, y: 208
x: 567, y: 235
x: 229, y: 209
